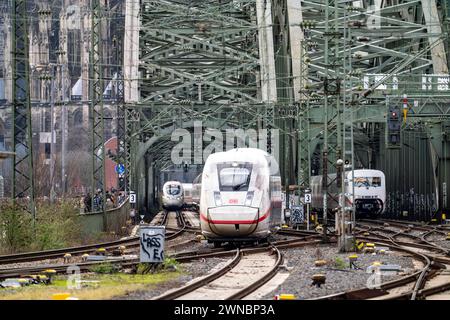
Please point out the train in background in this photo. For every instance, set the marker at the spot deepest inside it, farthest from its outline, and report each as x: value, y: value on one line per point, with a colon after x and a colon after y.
x: 191, y: 194
x: 172, y: 195
x: 369, y: 192
x: 240, y: 198
x: 196, y: 190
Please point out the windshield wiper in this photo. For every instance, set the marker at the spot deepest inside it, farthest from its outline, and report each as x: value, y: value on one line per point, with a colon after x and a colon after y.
x: 239, y: 186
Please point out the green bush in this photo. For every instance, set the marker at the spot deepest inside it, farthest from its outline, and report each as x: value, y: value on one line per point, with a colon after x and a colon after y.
x: 16, y: 228
x: 104, y: 268
x: 170, y: 262
x: 339, y: 263
x: 56, y: 226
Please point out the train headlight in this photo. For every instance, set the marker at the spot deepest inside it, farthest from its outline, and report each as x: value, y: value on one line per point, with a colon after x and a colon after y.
x: 217, y: 198
x: 249, y: 199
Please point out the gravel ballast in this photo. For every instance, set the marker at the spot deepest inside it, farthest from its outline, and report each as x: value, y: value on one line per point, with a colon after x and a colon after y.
x: 301, y: 260
x: 192, y: 270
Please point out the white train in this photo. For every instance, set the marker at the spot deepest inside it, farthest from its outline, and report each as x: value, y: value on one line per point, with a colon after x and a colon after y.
x: 196, y: 190
x: 172, y: 195
x: 187, y: 195
x: 240, y: 197
x: 369, y: 192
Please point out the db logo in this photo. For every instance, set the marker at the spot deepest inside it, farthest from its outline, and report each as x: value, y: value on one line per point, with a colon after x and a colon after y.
x: 233, y: 201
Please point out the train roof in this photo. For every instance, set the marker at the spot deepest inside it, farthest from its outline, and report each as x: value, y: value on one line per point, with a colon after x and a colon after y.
x: 172, y: 182
x: 239, y: 154
x: 358, y: 173
x: 365, y: 172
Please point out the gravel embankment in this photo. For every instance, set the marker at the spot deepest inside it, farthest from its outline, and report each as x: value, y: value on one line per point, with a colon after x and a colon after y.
x: 302, y: 260
x: 439, y: 239
x: 192, y: 270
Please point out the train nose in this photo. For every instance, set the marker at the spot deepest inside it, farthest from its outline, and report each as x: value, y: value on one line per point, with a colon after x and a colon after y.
x: 233, y: 220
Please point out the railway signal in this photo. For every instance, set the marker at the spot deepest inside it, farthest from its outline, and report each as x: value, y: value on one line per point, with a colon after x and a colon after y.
x: 393, y: 127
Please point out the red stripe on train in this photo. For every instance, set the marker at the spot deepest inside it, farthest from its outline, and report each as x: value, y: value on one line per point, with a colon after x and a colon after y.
x: 235, y: 221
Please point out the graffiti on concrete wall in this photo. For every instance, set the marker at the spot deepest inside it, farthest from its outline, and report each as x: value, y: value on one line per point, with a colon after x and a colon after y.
x: 152, y: 244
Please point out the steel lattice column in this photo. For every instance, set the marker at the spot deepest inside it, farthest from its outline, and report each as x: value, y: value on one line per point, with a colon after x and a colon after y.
x: 22, y: 185
x: 96, y: 110
x: 331, y: 89
x: 131, y: 123
x: 121, y: 113
x: 303, y: 153
x: 303, y: 121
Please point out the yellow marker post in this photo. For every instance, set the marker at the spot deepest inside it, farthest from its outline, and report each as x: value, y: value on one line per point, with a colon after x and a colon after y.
x: 352, y: 259
x: 60, y: 296
x: 360, y: 245
x: 285, y: 296
x: 320, y: 263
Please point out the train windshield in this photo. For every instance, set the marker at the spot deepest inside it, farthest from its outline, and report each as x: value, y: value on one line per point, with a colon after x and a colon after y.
x: 173, y: 189
x: 234, y: 176
x: 361, y: 182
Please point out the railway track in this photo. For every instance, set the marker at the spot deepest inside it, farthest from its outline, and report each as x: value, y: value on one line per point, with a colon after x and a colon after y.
x: 435, y: 260
x: 130, y: 242
x: 180, y: 222
x: 249, y: 269
x: 242, y: 275
x: 131, y: 262
x: 58, y: 253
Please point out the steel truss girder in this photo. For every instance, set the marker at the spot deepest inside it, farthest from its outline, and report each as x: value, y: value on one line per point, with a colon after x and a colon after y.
x: 22, y: 177
x: 381, y: 44
x: 170, y: 117
x: 384, y: 42
x: 205, y: 51
x: 405, y: 44
x: 132, y: 118
x: 200, y: 62
x: 121, y: 109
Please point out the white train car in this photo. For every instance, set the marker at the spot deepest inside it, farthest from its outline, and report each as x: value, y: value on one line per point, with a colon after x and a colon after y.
x: 196, y: 190
x: 172, y: 195
x: 187, y: 194
x: 240, y: 196
x: 369, y: 192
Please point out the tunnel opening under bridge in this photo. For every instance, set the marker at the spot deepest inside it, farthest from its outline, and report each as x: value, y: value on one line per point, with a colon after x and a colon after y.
x: 416, y: 172
x: 178, y: 153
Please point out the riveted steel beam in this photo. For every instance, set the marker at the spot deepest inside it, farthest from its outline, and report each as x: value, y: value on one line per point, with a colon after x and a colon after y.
x: 22, y: 176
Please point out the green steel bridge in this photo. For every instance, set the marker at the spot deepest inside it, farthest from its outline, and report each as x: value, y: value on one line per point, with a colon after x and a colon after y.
x: 324, y: 74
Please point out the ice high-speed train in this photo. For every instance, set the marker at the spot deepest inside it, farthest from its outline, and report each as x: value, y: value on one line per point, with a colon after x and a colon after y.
x: 172, y: 195
x: 187, y: 195
x: 369, y: 192
x: 196, y: 190
x: 240, y: 197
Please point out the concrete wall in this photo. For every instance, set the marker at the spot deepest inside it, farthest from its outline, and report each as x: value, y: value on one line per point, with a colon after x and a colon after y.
x: 92, y: 223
